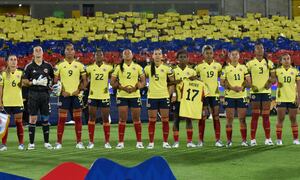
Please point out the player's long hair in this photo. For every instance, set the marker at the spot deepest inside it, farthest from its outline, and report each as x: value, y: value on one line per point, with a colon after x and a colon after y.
x: 8, y: 70
x: 153, y: 64
x: 265, y: 55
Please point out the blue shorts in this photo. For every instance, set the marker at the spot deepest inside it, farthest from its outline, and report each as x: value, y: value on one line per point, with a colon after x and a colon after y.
x: 102, y: 103
x: 13, y: 110
x: 288, y: 105
x: 130, y: 102
x: 163, y: 103
x: 261, y: 97
x: 71, y: 102
x: 236, y: 103
x: 211, y: 101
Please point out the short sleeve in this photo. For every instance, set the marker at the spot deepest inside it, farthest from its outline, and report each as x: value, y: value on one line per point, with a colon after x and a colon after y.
x: 248, y: 66
x: 298, y: 74
x: 246, y: 71
x: 140, y: 70
x: 271, y: 66
x: 82, y: 69
x: 1, y: 80
x: 223, y: 73
x: 116, y: 71
x: 219, y: 67
x: 88, y: 69
x: 146, y: 70
x: 170, y: 71
x: 56, y: 70
x: 197, y: 70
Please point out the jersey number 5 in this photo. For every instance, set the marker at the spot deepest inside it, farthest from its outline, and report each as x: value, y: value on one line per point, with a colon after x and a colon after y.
x: 195, y: 91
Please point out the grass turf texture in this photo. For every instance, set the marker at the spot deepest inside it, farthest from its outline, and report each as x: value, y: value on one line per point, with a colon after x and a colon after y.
x: 209, y: 162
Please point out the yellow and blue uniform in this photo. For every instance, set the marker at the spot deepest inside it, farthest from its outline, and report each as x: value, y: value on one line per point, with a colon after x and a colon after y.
x: 260, y: 73
x: 191, y: 104
x: 12, y: 92
x: 180, y: 74
x: 158, y: 93
x: 209, y: 74
x: 99, y: 88
x: 235, y: 75
x: 286, y: 94
x: 70, y: 77
x: 128, y: 77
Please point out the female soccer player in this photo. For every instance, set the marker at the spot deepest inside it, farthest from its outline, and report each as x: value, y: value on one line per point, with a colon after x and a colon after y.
x: 158, y: 96
x: 11, y: 98
x: 262, y: 76
x: 181, y: 71
x: 287, y: 96
x: 209, y: 71
x: 128, y: 78
x: 98, y: 74
x: 234, y: 78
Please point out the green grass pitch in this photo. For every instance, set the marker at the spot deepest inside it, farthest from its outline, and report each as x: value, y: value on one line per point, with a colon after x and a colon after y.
x: 209, y: 162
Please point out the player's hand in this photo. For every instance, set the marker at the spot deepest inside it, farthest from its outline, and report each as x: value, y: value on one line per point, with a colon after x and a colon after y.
x: 76, y: 93
x: 173, y: 99
x: 130, y: 89
x: 279, y: 85
x: 65, y: 94
x: 254, y: 89
x: 267, y: 85
x: 56, y: 88
x: 298, y: 102
x: 178, y: 81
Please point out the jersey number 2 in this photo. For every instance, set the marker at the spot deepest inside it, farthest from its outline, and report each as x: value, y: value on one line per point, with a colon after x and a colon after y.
x: 195, y: 91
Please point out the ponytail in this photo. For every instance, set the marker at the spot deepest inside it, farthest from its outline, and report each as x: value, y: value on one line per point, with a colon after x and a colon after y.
x: 153, y: 68
x: 121, y: 65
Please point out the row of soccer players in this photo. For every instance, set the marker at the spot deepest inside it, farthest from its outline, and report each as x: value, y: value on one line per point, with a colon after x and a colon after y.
x: 70, y: 77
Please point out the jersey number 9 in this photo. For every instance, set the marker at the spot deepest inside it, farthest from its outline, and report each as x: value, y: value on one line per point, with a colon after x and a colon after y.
x: 70, y: 72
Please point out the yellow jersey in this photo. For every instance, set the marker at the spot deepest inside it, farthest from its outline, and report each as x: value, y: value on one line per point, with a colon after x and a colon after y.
x: 180, y: 75
x: 260, y: 73
x: 191, y: 103
x: 99, y: 75
x: 70, y: 74
x: 235, y: 75
x: 158, y: 83
x: 209, y: 74
x: 12, y: 92
x: 129, y: 77
x: 287, y: 78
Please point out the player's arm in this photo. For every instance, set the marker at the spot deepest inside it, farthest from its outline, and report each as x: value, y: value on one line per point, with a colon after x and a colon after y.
x: 25, y: 78
x: 298, y: 88
x: 172, y: 90
x: 142, y: 82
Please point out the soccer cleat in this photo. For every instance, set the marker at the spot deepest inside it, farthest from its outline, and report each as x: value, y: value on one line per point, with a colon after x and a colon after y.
x: 80, y: 145
x: 58, y: 146
x: 3, y: 147
x: 150, y: 146
x: 219, y: 143
x: 175, y: 145
x: 191, y: 145
x: 229, y: 144
x: 31, y: 146
x: 120, y: 145
x: 48, y: 146
x: 253, y: 142
x: 166, y: 145
x: 244, y: 144
x: 139, y: 145
x: 200, y: 144
x: 107, y: 146
x: 279, y: 142
x: 21, y: 147
x: 296, y: 142
x: 269, y: 142
x: 90, y: 145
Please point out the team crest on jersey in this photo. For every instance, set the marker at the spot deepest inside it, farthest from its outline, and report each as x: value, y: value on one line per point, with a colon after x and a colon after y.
x: 65, y: 66
x: 46, y: 71
x: 255, y: 64
x: 215, y: 67
x: 204, y: 68
x: 253, y: 96
x: 18, y: 76
x: 94, y: 70
x: 104, y: 69
x: 187, y: 73
x: 134, y: 68
x: 241, y: 69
